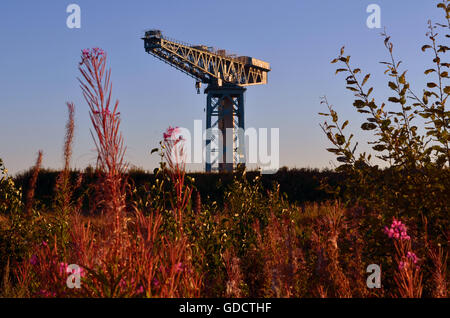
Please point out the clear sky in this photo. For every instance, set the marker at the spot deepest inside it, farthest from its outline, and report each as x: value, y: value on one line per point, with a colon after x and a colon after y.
x: 39, y: 56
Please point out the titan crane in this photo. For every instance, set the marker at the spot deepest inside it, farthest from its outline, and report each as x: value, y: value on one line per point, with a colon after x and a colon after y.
x: 227, y: 77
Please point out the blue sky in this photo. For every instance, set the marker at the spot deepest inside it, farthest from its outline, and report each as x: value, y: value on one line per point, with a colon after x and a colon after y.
x: 39, y: 56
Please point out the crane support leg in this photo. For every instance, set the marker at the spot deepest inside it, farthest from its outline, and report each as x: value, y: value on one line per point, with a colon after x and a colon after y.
x: 225, y: 149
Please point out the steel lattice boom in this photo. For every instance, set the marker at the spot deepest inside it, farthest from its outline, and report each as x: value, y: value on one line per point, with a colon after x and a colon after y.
x: 205, y: 64
x: 227, y: 76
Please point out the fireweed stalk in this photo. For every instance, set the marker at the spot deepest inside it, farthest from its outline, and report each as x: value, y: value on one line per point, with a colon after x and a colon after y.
x: 408, y: 276
x: 176, y: 168
x: 105, y: 118
x: 62, y: 183
x: 33, y: 180
x: 63, y: 205
x: 131, y: 265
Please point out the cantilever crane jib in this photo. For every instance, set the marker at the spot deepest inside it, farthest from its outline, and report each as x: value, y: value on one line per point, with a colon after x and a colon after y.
x: 226, y: 76
x: 205, y: 64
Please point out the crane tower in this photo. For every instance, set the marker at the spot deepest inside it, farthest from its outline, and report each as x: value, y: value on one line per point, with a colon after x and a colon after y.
x: 226, y: 77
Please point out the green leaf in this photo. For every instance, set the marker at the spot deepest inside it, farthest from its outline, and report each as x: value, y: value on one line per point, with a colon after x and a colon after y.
x: 359, y: 103
x: 392, y: 85
x: 154, y: 150
x: 402, y: 78
x: 365, y: 79
x: 394, y: 99
x: 443, y: 48
x: 379, y: 147
x: 385, y: 123
x: 426, y: 47
x: 368, y: 126
x: 340, y: 139
x: 429, y: 71
x: 334, y: 116
x: 344, y: 124
x: 431, y: 85
x: 425, y: 115
x: 447, y: 90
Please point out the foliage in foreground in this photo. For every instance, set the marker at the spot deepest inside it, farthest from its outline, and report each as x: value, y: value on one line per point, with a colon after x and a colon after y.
x: 411, y: 139
x: 256, y: 246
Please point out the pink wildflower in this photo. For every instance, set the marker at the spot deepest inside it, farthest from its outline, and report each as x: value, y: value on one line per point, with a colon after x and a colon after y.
x: 85, y: 53
x: 413, y: 257
x: 46, y: 293
x: 397, y: 230
x: 33, y: 260
x: 179, y: 267
x: 410, y: 259
x: 140, y: 290
x: 80, y: 271
x: 91, y: 53
x: 62, y: 268
x: 170, y: 133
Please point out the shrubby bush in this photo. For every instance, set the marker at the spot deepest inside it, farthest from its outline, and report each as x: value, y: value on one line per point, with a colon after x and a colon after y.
x: 411, y: 138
